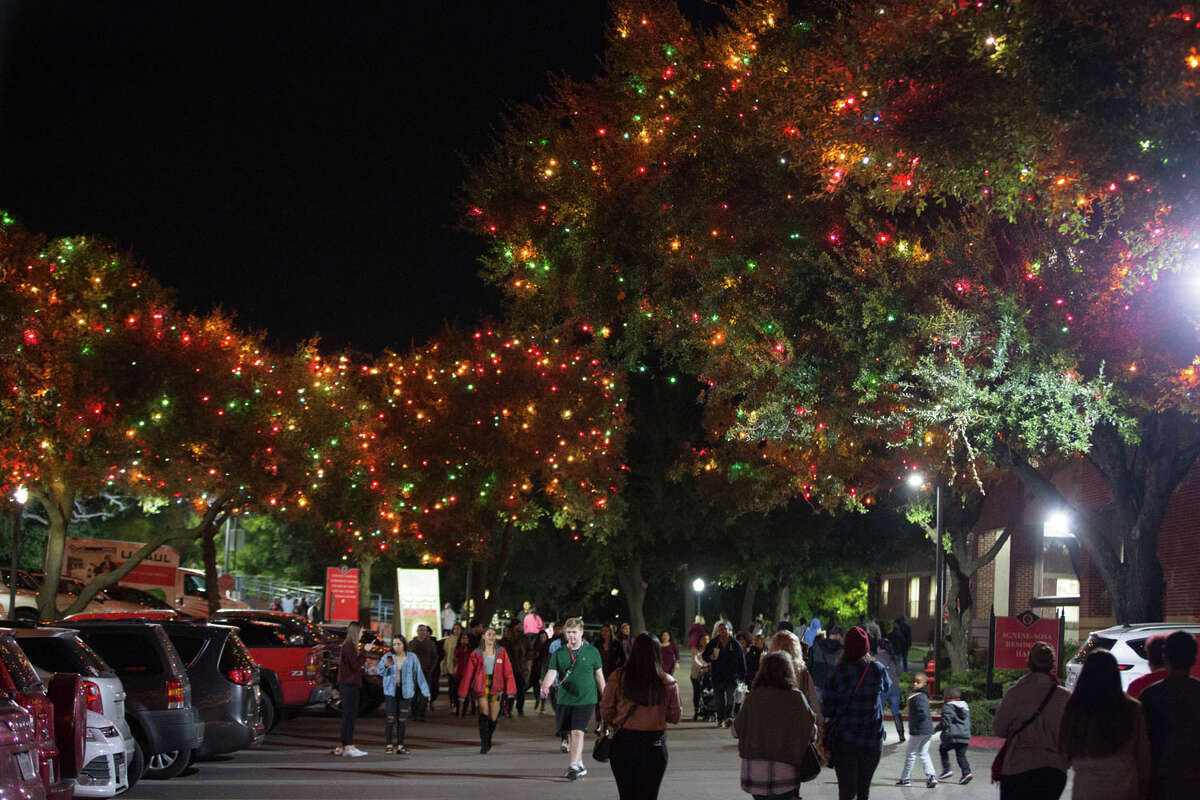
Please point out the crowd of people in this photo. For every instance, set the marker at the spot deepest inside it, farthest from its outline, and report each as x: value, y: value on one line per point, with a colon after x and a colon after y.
x: 814, y: 696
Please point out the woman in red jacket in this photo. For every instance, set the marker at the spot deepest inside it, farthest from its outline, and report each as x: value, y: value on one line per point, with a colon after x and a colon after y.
x: 489, y: 679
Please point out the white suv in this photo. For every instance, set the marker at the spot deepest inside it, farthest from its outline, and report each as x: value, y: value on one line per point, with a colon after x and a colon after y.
x: 1127, y: 643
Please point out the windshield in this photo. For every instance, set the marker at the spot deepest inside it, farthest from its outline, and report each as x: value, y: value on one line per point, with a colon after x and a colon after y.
x: 24, y: 678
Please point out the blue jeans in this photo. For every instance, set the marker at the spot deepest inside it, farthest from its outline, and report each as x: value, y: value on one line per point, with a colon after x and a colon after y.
x: 892, y: 701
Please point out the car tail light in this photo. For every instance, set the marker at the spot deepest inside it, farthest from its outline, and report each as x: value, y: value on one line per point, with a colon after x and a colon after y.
x: 1124, y: 667
x: 310, y: 666
x: 174, y: 693
x: 94, y: 701
x: 243, y: 677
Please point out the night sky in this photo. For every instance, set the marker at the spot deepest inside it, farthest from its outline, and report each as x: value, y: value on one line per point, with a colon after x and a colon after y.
x: 296, y: 163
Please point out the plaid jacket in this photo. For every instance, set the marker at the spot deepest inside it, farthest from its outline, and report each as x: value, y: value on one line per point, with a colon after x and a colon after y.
x: 768, y: 777
x: 857, y: 715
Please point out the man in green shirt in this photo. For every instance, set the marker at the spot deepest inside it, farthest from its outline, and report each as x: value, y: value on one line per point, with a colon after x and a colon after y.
x: 579, y: 690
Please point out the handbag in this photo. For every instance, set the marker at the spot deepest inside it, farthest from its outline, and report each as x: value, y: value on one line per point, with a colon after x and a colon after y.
x: 603, y: 747
x: 810, y: 763
x: 998, y: 761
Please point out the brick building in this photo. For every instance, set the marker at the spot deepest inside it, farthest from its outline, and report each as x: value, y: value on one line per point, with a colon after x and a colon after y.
x: 1042, y: 566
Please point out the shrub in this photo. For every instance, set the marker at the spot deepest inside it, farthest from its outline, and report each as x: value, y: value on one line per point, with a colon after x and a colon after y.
x: 982, y: 714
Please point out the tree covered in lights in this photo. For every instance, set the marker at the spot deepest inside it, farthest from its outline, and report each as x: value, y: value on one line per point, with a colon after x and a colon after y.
x: 495, y: 432
x: 111, y: 390
x: 947, y: 230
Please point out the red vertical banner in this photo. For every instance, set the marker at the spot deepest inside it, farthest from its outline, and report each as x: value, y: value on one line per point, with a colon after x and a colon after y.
x: 341, y: 594
x: 1016, y: 635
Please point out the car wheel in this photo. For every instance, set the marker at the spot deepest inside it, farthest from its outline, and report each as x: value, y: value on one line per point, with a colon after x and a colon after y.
x: 162, y: 766
x: 269, y: 716
x: 27, y: 615
x: 137, y: 764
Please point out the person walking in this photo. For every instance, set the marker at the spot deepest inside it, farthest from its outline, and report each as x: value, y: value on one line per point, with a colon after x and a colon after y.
x: 579, y: 690
x: 612, y: 658
x: 824, y: 657
x: 956, y: 736
x: 462, y: 660
x: 904, y: 640
x: 531, y: 623
x: 449, y: 619
x: 788, y: 642
x: 402, y: 679
x: 774, y: 729
x: 1029, y: 720
x: 699, y: 667
x: 425, y: 648
x: 489, y: 679
x: 754, y: 653
x: 1156, y: 659
x: 810, y: 635
x: 639, y: 702
x: 727, y: 662
x: 697, y: 629
x: 517, y: 646
x: 920, y: 731
x: 853, y: 707
x: 350, y: 675
x: 537, y: 668
x: 1172, y: 710
x: 670, y: 652
x: 449, y: 646
x: 887, y: 657
x: 1103, y: 735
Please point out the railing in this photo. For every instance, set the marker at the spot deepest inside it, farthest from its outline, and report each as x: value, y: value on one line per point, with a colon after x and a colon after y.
x: 261, y: 590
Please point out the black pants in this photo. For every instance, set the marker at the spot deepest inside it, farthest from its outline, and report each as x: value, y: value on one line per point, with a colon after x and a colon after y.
x: 960, y: 753
x: 452, y: 690
x: 725, y: 695
x: 432, y: 679
x: 697, y: 691
x: 349, y: 711
x: 854, y: 766
x: 519, y: 702
x: 418, y: 706
x: 1046, y: 783
x: 638, y: 760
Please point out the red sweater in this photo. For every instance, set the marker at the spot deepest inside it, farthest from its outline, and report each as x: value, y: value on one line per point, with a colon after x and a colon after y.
x: 475, y: 677
x: 350, y: 664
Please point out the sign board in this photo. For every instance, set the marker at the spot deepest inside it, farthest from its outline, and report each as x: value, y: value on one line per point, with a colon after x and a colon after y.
x: 341, y: 594
x: 86, y: 558
x: 420, y: 600
x: 1016, y: 635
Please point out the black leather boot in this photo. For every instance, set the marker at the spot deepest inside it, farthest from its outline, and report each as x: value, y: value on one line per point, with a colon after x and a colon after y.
x: 491, y: 731
x: 485, y: 734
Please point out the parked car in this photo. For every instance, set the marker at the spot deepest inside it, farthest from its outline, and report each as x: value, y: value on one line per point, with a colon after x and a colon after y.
x: 59, y: 716
x: 1127, y: 643
x: 19, y: 776
x: 135, y: 597
x: 225, y: 685
x: 158, y: 693
x: 52, y: 650
x: 105, y: 770
x: 290, y: 665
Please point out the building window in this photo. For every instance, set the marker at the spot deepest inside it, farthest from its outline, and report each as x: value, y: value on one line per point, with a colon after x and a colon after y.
x: 914, y: 598
x: 932, y: 599
x: 883, y: 593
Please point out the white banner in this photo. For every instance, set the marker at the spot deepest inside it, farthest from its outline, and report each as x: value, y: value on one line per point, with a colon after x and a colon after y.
x: 420, y: 599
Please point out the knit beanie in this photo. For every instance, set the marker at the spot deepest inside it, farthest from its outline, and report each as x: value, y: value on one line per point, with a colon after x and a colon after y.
x: 856, y: 644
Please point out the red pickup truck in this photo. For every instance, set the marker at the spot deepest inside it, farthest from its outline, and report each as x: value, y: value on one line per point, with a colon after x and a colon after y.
x: 289, y: 650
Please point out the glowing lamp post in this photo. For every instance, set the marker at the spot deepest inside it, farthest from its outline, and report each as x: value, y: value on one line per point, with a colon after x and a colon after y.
x: 698, y: 588
x: 916, y: 481
x: 20, y: 497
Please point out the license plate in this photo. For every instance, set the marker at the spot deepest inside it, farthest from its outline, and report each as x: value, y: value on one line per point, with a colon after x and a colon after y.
x: 25, y: 762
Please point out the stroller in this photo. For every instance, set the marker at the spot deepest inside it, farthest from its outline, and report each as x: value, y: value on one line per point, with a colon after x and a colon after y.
x: 706, y: 709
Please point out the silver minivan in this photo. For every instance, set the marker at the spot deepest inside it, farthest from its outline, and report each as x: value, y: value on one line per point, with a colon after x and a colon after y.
x: 61, y: 650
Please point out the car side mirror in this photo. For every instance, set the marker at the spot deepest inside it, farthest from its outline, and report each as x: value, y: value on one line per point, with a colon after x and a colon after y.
x: 296, y: 640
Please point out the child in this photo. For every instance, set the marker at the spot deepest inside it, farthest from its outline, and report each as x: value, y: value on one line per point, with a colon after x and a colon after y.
x: 956, y: 735
x: 920, y: 731
x: 402, y: 676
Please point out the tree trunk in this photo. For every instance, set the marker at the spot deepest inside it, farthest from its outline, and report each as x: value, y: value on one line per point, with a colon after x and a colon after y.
x: 208, y: 548
x: 783, y: 602
x: 689, y: 603
x: 958, y: 644
x: 366, y: 560
x: 491, y: 578
x: 59, y: 502
x: 747, y: 621
x: 634, y: 589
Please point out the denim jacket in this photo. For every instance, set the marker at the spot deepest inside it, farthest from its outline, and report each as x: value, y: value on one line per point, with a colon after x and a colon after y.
x: 410, y: 675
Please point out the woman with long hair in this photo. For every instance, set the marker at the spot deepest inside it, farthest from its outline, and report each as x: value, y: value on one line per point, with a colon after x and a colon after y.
x: 449, y: 645
x: 853, y: 710
x: 774, y: 729
x: 489, y: 679
x: 697, y: 669
x: 639, y: 702
x: 350, y: 672
x: 670, y: 652
x: 537, y: 670
x: 1103, y: 735
x: 462, y: 660
x: 788, y: 642
x: 1030, y: 720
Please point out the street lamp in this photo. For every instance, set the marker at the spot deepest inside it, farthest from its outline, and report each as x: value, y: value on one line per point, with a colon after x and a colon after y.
x: 21, y: 497
x: 698, y: 588
x: 916, y: 481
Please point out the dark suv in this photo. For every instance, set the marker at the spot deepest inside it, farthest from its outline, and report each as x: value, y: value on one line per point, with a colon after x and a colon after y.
x: 158, y: 703
x: 225, y: 685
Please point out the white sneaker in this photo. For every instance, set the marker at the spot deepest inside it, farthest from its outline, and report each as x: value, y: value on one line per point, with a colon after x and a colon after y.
x: 353, y: 752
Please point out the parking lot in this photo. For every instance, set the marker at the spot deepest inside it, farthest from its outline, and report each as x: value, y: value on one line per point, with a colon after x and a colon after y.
x: 525, y: 763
